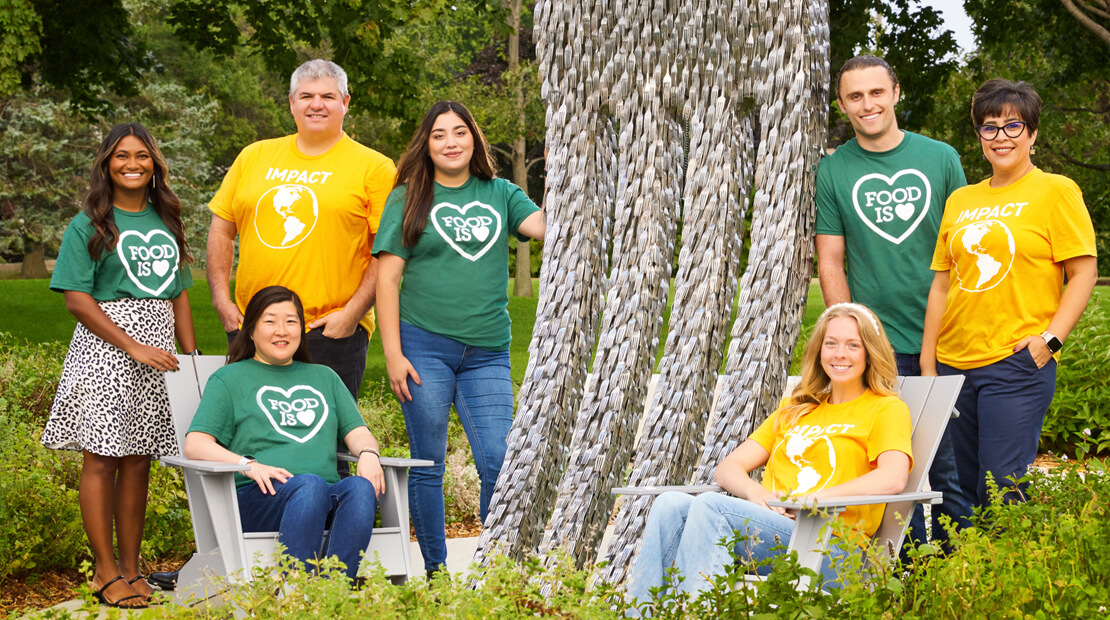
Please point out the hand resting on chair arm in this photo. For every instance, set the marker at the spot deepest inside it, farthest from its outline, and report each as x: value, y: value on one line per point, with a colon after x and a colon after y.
x: 203, y: 447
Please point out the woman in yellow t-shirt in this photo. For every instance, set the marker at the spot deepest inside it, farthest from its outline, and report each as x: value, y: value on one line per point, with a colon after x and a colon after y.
x: 843, y: 431
x: 998, y: 311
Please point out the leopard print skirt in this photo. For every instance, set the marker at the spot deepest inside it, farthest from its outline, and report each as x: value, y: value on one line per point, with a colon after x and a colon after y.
x: 107, y: 403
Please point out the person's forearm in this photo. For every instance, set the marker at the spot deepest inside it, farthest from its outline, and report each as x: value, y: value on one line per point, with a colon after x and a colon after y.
x: 92, y: 316
x: 1082, y: 273
x: 203, y: 447
x: 220, y: 256
x: 834, y: 284
x: 365, y: 295
x: 880, y: 481
x: 388, y: 308
x: 361, y: 439
x: 183, y: 323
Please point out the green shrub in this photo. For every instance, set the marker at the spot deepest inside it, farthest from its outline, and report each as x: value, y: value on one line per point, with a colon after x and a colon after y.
x: 29, y: 376
x: 1078, y: 422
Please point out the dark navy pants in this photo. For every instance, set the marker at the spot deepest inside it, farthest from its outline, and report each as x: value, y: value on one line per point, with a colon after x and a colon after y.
x: 1002, y: 408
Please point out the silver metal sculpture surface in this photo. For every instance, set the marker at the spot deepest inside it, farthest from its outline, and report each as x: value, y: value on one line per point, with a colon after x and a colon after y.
x: 655, y: 110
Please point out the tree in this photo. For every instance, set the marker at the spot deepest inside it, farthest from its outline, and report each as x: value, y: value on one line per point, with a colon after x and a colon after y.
x: 353, y: 33
x: 1068, y: 65
x: 1088, y: 15
x: 84, y: 48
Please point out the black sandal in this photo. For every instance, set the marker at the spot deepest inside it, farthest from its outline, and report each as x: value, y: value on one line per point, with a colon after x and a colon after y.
x: 116, y: 604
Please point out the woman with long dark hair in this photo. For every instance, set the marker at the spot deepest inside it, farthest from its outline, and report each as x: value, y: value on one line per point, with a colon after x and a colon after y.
x: 273, y: 410
x: 123, y: 267
x: 446, y: 333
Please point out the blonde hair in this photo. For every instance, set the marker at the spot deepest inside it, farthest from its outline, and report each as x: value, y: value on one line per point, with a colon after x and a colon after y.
x: 880, y: 376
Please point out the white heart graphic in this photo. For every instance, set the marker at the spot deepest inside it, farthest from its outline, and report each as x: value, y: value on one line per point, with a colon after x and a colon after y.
x: 890, y: 181
x: 161, y: 267
x: 146, y: 240
x: 306, y: 417
x: 442, y: 211
x: 287, y: 397
x: 904, y: 211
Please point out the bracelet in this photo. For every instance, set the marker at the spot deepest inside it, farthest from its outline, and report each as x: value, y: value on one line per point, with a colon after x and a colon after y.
x: 371, y: 451
x: 194, y: 352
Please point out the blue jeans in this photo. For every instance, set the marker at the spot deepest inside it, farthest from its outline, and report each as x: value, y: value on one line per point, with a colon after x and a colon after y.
x: 480, y: 386
x: 306, y: 505
x: 684, y: 531
x: 1002, y: 408
x: 942, y: 477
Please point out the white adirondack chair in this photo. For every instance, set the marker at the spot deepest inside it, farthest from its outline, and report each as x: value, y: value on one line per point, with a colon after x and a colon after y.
x: 931, y: 401
x: 223, y: 549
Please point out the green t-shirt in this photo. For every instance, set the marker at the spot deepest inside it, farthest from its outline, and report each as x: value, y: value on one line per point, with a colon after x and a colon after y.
x: 145, y: 263
x: 888, y: 208
x: 285, y: 416
x: 457, y: 275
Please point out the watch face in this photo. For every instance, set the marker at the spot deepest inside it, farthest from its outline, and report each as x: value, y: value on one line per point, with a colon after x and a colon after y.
x: 1054, y: 344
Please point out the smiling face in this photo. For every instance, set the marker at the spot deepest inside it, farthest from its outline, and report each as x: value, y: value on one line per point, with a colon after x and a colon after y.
x: 843, y: 356
x: 450, y: 146
x: 867, y: 96
x: 277, y: 335
x: 1009, y: 157
x: 318, y: 107
x: 130, y: 166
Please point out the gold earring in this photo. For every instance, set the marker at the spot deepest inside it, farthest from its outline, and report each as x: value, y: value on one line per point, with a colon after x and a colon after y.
x: 1032, y: 150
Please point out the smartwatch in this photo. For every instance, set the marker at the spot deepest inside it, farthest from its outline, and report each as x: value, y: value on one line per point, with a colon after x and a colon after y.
x: 1054, y: 344
x: 247, y: 460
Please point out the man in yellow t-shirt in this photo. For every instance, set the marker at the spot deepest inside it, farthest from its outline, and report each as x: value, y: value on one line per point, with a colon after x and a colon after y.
x: 305, y: 209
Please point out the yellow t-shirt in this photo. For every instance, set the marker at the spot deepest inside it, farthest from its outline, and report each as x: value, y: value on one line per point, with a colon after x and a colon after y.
x: 305, y: 222
x: 1003, y: 248
x: 834, y: 444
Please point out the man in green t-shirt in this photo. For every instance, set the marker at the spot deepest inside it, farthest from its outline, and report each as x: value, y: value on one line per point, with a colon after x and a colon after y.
x: 880, y: 198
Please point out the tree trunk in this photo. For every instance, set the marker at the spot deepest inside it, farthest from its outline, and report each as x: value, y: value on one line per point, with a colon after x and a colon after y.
x: 522, y: 285
x: 34, y: 262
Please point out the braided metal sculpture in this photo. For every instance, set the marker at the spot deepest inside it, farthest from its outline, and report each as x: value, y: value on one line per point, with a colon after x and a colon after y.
x: 655, y: 108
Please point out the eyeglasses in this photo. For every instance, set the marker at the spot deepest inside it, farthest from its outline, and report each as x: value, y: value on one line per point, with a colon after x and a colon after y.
x: 990, y: 132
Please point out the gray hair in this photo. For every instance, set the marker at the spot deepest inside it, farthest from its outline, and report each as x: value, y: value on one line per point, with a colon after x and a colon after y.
x: 316, y: 69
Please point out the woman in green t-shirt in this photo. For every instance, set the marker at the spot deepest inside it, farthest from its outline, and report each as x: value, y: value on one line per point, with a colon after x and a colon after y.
x: 446, y: 333
x: 123, y: 267
x: 273, y: 410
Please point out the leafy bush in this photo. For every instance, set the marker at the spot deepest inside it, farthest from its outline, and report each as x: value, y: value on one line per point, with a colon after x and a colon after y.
x: 1046, y: 558
x: 1079, y: 420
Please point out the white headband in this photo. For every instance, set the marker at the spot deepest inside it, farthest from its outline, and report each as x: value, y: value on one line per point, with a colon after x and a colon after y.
x: 861, y: 308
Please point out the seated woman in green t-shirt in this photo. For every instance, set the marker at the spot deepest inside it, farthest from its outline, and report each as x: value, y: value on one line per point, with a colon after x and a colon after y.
x: 272, y: 409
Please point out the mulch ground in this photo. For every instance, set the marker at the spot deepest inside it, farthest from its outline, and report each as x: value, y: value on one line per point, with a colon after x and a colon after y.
x: 48, y: 589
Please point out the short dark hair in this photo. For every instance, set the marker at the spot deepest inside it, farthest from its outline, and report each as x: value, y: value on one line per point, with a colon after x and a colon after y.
x: 242, y: 347
x: 865, y: 61
x: 997, y: 95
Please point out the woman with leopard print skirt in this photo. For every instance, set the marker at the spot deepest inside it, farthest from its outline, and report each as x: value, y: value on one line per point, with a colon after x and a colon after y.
x: 123, y: 267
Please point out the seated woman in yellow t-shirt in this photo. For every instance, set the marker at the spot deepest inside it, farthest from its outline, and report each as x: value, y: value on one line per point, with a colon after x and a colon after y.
x: 843, y: 431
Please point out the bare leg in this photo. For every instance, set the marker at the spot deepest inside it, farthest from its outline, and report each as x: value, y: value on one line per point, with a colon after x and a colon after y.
x: 96, y: 494
x: 130, y: 509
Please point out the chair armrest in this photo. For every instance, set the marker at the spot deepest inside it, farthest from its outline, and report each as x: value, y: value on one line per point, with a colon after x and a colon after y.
x: 692, y: 489
x: 204, y: 466
x: 388, y: 461
x: 925, y: 497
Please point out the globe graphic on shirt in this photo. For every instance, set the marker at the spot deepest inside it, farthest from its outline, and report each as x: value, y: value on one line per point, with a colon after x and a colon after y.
x: 811, y: 454
x: 983, y: 253
x: 285, y: 215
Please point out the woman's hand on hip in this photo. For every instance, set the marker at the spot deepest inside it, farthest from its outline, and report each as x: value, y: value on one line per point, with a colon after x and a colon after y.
x: 264, y: 475
x: 370, y: 467
x: 1038, y: 349
x: 158, y: 359
x: 399, y: 370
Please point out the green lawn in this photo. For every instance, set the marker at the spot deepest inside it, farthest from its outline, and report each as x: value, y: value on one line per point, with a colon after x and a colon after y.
x: 30, y: 310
